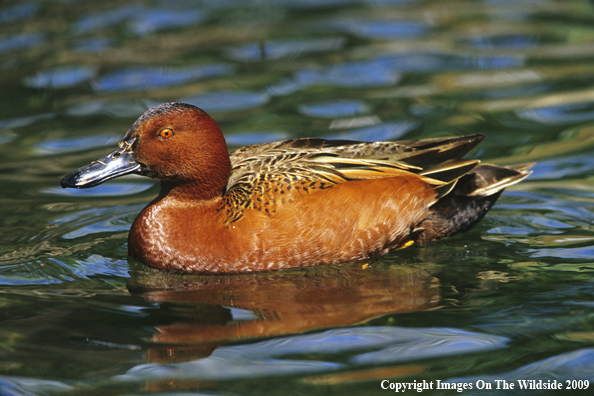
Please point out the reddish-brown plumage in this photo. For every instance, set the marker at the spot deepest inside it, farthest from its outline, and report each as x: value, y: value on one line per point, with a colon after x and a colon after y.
x: 293, y: 203
x: 329, y: 226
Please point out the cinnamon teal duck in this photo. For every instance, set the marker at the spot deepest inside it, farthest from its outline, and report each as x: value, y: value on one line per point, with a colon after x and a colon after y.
x: 291, y: 203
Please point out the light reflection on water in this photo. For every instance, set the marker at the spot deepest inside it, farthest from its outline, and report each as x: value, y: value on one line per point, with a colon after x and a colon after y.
x: 147, y: 78
x: 510, y: 299
x: 563, y: 368
x: 272, y: 357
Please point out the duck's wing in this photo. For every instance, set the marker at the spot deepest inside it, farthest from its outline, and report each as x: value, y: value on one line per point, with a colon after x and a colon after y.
x: 425, y: 151
x: 343, y: 160
x: 266, y: 176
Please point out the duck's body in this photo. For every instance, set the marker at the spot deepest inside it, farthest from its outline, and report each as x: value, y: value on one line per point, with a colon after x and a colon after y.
x: 297, y: 233
x: 292, y: 203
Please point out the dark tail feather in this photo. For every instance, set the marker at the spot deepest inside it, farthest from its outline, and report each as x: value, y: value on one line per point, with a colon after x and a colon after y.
x: 468, y: 202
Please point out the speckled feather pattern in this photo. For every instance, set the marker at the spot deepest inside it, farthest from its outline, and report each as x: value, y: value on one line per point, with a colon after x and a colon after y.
x: 268, y: 175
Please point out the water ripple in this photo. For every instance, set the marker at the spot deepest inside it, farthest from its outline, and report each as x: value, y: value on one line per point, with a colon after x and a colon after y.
x: 424, y: 61
x: 559, y: 115
x: 95, y: 44
x: 97, y: 21
x: 351, y: 74
x: 339, y: 108
x: 419, y: 343
x: 583, y: 253
x: 95, y: 265
x: 157, y: 77
x: 21, y: 41
x: 504, y: 41
x: 227, y: 100
x: 139, y: 19
x: 112, y: 108
x: 61, y: 77
x: 153, y: 20
x: 98, y: 220
x: 255, y: 137
x: 271, y: 357
x: 578, y: 364
x: 25, y: 386
x: 382, y: 132
x: 25, y: 121
x: 380, y: 28
x: 79, y: 143
x: 18, y: 12
x: 280, y: 49
x: 111, y: 189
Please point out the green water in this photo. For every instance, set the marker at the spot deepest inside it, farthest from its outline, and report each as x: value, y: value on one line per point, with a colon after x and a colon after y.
x: 510, y: 300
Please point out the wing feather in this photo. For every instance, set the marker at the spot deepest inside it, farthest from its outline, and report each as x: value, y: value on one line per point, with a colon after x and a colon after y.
x: 268, y: 175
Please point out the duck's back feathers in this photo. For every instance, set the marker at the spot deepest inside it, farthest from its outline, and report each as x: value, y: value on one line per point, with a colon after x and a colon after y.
x: 268, y: 175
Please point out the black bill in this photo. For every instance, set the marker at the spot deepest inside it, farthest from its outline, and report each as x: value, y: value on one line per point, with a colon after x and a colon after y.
x: 117, y: 163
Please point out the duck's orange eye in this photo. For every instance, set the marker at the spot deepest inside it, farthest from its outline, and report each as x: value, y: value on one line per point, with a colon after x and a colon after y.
x: 166, y: 133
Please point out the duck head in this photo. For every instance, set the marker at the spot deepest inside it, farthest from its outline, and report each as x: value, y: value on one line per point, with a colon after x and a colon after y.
x: 176, y: 143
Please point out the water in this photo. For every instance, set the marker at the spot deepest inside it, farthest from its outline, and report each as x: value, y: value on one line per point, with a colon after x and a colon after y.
x: 510, y: 300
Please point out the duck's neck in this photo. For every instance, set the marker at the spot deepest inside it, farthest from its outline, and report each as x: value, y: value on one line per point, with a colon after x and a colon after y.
x: 198, y: 179
x: 190, y: 191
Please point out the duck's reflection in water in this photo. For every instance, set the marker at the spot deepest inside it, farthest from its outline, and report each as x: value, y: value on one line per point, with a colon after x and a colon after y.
x: 216, y: 310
